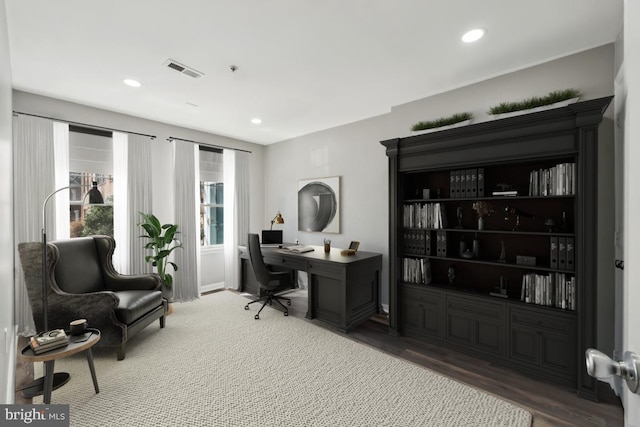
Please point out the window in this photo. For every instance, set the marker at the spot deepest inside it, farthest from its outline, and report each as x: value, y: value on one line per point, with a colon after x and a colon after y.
x: 90, y: 159
x: 211, y: 197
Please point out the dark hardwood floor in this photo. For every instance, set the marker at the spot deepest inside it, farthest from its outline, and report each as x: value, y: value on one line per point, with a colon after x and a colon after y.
x: 550, y: 405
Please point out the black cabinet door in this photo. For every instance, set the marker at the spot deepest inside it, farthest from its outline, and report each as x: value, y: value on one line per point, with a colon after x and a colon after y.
x: 477, y: 325
x: 543, y: 341
x: 421, y: 313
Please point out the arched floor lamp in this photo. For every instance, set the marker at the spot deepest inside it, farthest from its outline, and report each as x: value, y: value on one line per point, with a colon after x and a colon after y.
x: 36, y: 387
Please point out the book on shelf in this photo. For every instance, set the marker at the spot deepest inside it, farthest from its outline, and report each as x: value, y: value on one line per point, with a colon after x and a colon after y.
x: 559, y: 180
x: 416, y: 271
x: 299, y: 249
x: 505, y: 193
x: 553, y: 290
x: 49, y: 340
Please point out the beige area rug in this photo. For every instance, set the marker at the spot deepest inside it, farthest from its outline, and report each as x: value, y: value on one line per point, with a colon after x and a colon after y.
x: 214, y: 365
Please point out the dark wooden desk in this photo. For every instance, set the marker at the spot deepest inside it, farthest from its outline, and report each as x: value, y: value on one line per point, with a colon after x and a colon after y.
x: 344, y: 291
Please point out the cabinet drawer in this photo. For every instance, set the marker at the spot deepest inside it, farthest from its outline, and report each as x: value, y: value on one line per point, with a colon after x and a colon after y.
x: 489, y: 309
x: 326, y: 269
x: 292, y: 263
x: 562, y: 323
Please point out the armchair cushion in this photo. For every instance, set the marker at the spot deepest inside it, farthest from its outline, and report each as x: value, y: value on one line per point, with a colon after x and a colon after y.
x: 135, y: 304
x: 81, y: 272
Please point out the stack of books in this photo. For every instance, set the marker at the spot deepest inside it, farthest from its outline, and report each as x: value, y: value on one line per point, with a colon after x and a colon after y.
x: 48, y: 341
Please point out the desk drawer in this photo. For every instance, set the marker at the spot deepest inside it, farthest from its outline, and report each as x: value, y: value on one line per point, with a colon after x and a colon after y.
x: 326, y: 269
x: 285, y: 261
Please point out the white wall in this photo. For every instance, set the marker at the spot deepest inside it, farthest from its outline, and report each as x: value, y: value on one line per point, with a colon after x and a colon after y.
x: 354, y: 153
x: 7, y: 329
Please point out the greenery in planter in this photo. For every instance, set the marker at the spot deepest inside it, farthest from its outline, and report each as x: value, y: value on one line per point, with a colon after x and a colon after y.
x: 533, y: 102
x: 443, y: 121
x: 162, y: 241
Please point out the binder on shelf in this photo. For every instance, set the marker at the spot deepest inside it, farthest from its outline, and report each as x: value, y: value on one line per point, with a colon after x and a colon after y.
x: 468, y: 186
x: 456, y: 188
x: 562, y: 253
x: 480, y: 182
x: 427, y: 243
x: 553, y: 252
x: 570, y: 254
x: 452, y: 183
x: 473, y: 188
x: 463, y: 183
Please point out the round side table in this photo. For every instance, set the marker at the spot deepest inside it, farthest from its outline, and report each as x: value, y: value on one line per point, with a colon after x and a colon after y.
x: 51, y: 381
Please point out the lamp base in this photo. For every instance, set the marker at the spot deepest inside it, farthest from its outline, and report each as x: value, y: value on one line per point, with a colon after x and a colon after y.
x: 36, y: 387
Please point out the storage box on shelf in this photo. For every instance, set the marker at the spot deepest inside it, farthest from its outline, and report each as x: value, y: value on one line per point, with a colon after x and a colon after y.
x: 518, y: 286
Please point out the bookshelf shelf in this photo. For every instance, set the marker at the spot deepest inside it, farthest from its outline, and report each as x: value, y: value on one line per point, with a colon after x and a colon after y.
x: 546, y: 236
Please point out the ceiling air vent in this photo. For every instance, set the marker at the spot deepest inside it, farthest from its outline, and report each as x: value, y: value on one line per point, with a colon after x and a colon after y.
x: 191, y: 72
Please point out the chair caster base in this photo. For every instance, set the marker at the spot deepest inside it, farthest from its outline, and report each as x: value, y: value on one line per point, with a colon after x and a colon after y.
x: 246, y: 307
x: 286, y: 313
x: 288, y: 302
x: 256, y: 317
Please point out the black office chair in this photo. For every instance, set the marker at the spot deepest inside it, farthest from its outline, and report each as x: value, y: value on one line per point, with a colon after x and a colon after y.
x: 270, y: 281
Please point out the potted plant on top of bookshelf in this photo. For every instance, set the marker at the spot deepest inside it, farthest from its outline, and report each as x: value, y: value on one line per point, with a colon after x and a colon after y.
x: 555, y: 99
x: 455, y: 120
x: 162, y: 241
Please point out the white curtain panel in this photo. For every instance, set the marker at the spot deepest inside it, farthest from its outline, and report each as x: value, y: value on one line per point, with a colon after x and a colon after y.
x: 236, y: 213
x: 61, y: 162
x: 187, y: 204
x: 33, y: 164
x: 132, y: 194
x: 121, y: 232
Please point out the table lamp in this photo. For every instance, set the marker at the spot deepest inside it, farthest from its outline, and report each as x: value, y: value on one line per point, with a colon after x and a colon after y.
x: 277, y: 220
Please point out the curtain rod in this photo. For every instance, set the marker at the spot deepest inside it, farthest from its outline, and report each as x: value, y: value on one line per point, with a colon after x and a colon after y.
x: 171, y: 138
x: 85, y: 124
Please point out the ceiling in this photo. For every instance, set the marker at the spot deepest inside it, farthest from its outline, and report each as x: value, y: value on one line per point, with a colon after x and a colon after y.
x: 302, y: 65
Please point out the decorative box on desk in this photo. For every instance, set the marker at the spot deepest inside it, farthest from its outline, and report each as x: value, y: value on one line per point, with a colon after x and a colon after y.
x: 548, y: 162
x: 343, y: 290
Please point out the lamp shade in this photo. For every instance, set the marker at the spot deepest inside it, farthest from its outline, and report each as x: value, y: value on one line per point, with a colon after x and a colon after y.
x: 95, y: 196
x: 277, y: 219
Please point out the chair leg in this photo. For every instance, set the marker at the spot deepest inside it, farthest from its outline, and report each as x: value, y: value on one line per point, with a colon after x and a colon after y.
x: 120, y: 352
x: 162, y: 321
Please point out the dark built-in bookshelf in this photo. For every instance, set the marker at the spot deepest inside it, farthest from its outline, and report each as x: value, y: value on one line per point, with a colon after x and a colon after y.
x: 521, y: 290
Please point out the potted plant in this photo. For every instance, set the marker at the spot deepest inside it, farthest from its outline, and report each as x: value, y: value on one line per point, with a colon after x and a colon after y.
x: 162, y: 242
x: 458, y: 119
x: 482, y: 208
x: 557, y: 98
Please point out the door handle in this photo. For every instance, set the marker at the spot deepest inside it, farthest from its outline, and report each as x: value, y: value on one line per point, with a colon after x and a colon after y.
x: 601, y: 366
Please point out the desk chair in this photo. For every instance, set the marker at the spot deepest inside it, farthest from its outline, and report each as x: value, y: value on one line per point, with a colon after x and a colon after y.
x: 270, y: 281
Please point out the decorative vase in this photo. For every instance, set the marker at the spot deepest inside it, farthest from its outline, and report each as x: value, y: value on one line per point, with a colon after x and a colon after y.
x: 481, y: 223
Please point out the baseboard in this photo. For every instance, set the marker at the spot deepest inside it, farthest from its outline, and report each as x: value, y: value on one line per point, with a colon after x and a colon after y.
x: 211, y: 287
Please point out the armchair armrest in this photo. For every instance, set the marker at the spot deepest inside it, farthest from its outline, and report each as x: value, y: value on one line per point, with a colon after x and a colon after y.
x: 143, y: 282
x: 119, y: 282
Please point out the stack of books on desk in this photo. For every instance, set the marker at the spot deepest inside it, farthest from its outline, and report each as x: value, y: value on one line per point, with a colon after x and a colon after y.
x: 48, y: 341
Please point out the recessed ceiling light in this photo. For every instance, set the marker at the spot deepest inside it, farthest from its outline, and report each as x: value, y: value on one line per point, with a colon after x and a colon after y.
x: 473, y: 35
x: 132, y: 83
x: 256, y: 121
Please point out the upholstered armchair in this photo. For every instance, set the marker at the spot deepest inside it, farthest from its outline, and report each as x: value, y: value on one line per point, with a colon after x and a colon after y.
x: 83, y: 284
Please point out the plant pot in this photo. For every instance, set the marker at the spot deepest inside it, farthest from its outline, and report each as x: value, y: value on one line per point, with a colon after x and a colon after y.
x: 454, y: 125
x: 167, y: 292
x: 481, y: 223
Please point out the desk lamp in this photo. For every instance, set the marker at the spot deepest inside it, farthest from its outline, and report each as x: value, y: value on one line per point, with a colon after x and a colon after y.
x: 277, y: 220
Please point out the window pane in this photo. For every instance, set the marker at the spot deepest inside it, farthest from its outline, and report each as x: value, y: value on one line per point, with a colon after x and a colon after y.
x: 85, y: 219
x: 211, y: 225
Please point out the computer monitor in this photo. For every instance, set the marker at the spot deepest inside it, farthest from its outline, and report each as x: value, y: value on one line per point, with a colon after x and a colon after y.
x: 271, y: 237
